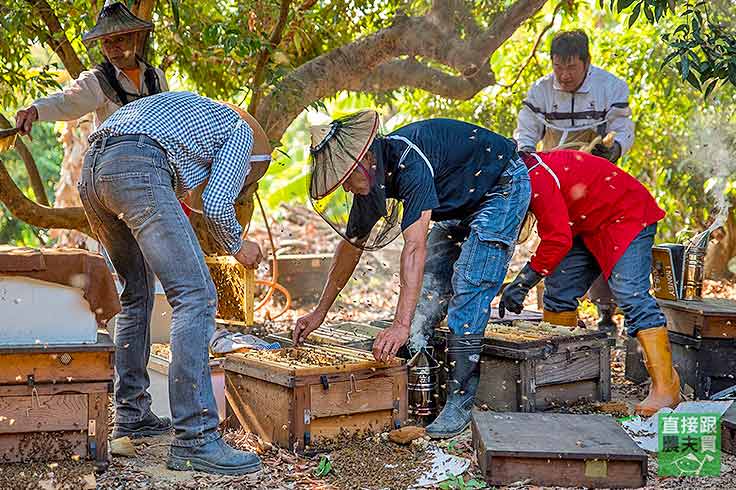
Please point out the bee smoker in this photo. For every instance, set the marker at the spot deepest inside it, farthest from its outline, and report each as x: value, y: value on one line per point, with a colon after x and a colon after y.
x: 693, y: 266
x: 422, y: 386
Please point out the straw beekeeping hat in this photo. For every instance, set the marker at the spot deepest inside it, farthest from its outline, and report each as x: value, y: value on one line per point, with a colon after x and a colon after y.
x: 116, y: 19
x: 337, y: 148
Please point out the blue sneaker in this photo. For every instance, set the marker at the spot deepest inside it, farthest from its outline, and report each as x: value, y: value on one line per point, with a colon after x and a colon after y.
x: 213, y: 457
x: 151, y: 425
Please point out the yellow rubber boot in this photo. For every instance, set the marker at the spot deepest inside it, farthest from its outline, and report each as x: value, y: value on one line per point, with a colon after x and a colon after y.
x: 665, y: 388
x: 563, y: 318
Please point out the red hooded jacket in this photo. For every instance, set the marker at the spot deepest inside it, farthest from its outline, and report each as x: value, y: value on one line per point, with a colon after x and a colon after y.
x: 578, y: 194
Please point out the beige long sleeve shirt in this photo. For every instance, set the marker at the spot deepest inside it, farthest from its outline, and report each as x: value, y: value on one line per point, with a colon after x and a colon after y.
x: 84, y: 95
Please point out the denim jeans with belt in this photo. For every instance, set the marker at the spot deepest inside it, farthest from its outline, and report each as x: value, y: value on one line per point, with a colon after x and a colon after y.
x: 467, y: 259
x: 629, y: 282
x: 127, y: 189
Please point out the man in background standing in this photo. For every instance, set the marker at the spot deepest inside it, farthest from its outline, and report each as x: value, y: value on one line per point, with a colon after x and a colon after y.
x: 569, y: 108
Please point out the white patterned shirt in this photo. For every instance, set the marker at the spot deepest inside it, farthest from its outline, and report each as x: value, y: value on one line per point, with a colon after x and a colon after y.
x: 203, y: 139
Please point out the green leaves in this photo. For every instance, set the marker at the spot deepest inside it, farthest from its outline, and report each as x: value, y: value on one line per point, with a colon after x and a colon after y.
x: 706, y: 52
x: 324, y: 468
x: 459, y: 483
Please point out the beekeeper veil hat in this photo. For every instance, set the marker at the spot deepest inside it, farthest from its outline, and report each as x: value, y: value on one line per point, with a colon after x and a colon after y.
x: 368, y: 221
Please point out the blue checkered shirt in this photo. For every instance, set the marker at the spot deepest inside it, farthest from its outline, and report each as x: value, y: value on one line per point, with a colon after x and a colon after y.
x: 202, y: 139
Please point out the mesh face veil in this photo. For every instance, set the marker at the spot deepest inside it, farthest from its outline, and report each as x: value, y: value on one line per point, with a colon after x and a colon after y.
x: 367, y: 218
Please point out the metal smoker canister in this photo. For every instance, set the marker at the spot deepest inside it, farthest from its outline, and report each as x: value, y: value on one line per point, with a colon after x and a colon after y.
x: 422, y: 385
x: 692, y: 274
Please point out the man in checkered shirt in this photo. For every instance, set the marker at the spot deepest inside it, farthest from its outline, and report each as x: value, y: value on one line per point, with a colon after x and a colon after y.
x: 145, y: 157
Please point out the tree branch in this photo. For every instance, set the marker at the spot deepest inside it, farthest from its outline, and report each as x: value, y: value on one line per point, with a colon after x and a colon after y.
x: 411, y: 73
x: 56, y: 38
x: 533, y: 53
x: 505, y: 24
x: 34, y: 214
x: 375, y: 62
x: 259, y: 73
x: 33, y: 175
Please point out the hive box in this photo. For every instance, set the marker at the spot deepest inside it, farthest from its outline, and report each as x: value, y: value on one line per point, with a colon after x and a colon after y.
x: 296, y: 406
x: 53, y: 401
x: 523, y: 375
x: 546, y: 449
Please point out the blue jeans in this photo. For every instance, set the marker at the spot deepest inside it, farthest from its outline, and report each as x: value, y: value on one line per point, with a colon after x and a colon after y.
x: 629, y: 282
x: 467, y: 259
x: 128, y: 195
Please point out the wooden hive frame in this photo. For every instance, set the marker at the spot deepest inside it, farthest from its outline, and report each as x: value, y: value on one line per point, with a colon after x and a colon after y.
x: 249, y: 280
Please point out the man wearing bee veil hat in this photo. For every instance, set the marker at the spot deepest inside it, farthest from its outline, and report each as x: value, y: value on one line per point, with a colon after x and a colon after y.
x: 370, y: 188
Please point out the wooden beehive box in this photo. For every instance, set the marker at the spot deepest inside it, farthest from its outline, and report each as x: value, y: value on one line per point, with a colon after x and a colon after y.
x: 53, y: 401
x: 298, y: 403
x: 548, y: 449
x: 710, y: 317
x: 527, y: 366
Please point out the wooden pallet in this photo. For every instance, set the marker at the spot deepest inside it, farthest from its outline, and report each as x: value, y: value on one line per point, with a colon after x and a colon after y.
x: 55, y: 397
x: 296, y: 405
x: 590, y: 451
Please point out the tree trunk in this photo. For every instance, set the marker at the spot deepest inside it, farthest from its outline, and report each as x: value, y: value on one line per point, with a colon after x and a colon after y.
x: 74, y: 140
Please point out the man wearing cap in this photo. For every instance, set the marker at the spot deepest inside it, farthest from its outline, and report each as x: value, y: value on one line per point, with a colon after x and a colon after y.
x: 571, y: 107
x: 593, y: 218
x: 141, y: 160
x: 370, y: 188
x: 122, y: 78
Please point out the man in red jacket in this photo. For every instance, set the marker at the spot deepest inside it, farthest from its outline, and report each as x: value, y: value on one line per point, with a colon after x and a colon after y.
x: 593, y: 218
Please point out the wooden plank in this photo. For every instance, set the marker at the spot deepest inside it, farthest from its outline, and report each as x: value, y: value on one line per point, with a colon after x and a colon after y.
x: 401, y: 397
x: 250, y: 295
x: 302, y: 419
x: 550, y: 396
x: 527, y: 389
x: 604, y: 380
x: 705, y: 306
x: 103, y: 344
x: 259, y: 406
x: 57, y: 446
x: 567, y: 436
x: 51, y: 367
x: 53, y: 389
x: 497, y: 388
x: 330, y: 427
x: 97, y: 424
x: 38, y: 413
x: 566, y: 473
x: 567, y: 366
x: 342, y: 398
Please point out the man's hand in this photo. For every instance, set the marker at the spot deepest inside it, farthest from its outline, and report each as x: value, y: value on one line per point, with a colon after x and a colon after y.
x: 389, y: 341
x: 249, y: 254
x: 610, y: 153
x: 25, y: 118
x: 513, y: 296
x: 306, y: 325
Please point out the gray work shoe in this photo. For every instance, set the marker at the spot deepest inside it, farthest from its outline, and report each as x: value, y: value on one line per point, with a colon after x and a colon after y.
x: 151, y: 425
x: 463, y: 356
x: 213, y: 457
